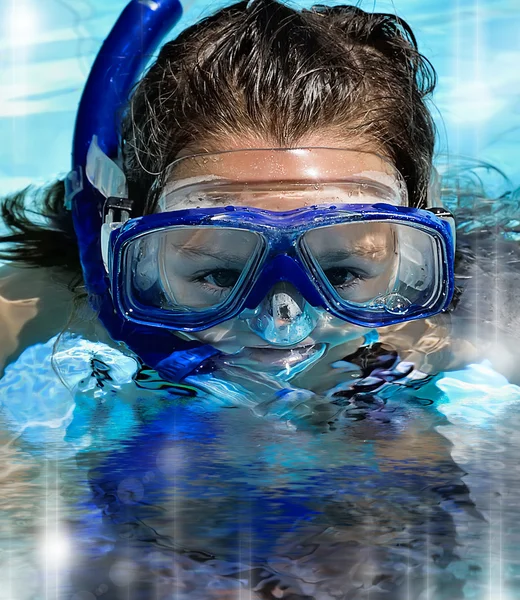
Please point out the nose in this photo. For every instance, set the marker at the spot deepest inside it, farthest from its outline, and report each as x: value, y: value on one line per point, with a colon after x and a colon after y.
x: 284, y: 317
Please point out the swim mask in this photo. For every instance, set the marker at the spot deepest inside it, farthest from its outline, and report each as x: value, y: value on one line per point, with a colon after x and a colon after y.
x: 351, y: 247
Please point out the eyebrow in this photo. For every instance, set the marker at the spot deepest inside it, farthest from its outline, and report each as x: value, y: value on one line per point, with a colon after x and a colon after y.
x: 206, y: 251
x: 357, y: 251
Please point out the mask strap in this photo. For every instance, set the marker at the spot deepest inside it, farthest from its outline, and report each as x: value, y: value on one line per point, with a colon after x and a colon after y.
x: 433, y: 196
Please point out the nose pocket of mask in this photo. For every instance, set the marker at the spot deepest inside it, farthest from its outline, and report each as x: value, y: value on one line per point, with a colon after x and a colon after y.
x: 285, y: 317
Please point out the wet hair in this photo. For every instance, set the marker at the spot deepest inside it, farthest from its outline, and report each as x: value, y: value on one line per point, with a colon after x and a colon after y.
x: 265, y: 71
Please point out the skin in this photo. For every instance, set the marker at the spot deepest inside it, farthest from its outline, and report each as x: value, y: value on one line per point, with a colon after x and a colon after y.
x: 35, y: 305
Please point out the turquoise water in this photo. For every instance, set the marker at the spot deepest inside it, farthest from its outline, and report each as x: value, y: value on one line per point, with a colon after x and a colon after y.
x: 115, y: 485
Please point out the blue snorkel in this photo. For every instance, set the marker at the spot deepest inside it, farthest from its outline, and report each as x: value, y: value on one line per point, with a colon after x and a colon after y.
x: 136, y: 35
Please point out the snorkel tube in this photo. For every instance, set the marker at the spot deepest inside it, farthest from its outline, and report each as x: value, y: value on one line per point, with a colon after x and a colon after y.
x: 124, y: 54
x: 132, y: 41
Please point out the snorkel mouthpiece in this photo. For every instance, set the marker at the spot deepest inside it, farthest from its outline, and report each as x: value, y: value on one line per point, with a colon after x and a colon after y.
x: 284, y: 317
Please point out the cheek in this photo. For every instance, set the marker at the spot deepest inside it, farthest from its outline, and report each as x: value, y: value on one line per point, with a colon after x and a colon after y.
x: 371, y: 288
x: 334, y: 332
x: 229, y: 337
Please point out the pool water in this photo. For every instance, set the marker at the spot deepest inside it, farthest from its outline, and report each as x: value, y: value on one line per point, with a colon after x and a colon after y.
x: 117, y: 485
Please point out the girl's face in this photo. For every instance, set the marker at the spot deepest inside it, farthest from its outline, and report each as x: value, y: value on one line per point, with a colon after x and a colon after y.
x: 376, y: 240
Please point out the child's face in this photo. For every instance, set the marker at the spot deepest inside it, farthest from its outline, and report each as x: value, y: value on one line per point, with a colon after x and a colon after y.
x: 376, y: 240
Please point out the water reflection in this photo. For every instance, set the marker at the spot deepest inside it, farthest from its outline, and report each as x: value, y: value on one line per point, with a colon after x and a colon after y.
x: 173, y: 496
x: 219, y: 501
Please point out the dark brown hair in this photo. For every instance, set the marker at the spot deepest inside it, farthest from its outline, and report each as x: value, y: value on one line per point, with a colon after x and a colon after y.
x: 267, y: 71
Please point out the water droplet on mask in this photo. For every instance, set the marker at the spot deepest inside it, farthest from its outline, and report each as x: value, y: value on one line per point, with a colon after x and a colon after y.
x: 397, y: 304
x: 378, y: 302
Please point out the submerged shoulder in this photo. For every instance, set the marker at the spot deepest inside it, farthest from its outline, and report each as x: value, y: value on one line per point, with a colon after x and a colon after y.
x: 35, y: 304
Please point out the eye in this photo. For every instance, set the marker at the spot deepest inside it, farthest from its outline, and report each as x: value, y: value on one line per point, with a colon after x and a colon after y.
x: 223, y: 278
x: 340, y: 276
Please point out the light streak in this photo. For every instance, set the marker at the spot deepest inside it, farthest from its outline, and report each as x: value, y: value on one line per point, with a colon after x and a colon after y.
x: 23, y: 23
x: 55, y: 547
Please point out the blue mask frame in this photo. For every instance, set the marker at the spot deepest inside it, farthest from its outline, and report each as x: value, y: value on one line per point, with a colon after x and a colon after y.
x: 283, y: 260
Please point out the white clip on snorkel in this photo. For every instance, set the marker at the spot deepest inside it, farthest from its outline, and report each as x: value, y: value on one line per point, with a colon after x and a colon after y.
x: 108, y: 178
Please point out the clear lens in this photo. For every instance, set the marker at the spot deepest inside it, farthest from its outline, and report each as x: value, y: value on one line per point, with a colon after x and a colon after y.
x: 318, y: 169
x: 380, y: 266
x: 376, y: 268
x: 189, y: 268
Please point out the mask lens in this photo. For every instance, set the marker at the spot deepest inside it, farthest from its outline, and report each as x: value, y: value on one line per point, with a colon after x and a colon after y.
x: 189, y: 268
x: 381, y: 267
